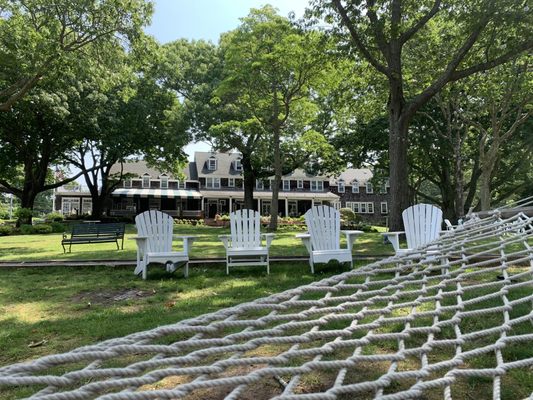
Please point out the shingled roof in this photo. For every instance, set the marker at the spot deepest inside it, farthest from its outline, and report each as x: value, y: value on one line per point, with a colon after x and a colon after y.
x: 140, y: 167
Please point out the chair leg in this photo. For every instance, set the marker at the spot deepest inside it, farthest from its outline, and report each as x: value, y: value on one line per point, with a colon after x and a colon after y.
x: 227, y: 265
x: 145, y: 268
x: 268, y: 264
x: 351, y: 263
x: 186, y: 270
x: 312, y: 265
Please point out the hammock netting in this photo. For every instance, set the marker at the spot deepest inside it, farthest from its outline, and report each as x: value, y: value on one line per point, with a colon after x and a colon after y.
x: 413, y: 326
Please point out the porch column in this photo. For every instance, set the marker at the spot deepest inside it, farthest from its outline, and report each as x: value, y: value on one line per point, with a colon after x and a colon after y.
x: 259, y: 206
x: 286, y: 206
x: 230, y: 210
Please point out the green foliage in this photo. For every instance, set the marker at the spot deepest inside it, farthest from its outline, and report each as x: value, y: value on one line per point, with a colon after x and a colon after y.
x: 6, y: 230
x: 23, y: 213
x: 42, y: 229
x: 57, y: 227
x: 26, y: 229
x: 54, y: 217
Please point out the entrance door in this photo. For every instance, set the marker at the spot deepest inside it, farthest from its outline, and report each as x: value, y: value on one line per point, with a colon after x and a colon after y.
x: 212, y: 208
x: 265, y: 207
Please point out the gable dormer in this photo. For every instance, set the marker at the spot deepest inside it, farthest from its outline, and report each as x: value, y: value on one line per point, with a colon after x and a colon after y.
x: 212, y: 162
x: 164, y: 181
x: 146, y: 180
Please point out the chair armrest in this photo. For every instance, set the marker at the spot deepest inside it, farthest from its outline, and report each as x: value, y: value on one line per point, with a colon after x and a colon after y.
x: 269, y: 237
x: 138, y: 238
x: 225, y: 240
x: 394, y: 238
x: 306, y: 239
x: 350, y: 237
x: 187, y: 241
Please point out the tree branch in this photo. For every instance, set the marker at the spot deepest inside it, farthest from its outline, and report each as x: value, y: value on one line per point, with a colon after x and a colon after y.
x: 420, y: 24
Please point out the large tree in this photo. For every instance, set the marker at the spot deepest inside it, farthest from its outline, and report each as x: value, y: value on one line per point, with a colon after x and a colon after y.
x: 272, y: 71
x: 419, y: 47
x: 38, y: 38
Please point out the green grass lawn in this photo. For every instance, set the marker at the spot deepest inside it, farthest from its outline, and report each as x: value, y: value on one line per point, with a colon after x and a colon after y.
x: 207, y: 244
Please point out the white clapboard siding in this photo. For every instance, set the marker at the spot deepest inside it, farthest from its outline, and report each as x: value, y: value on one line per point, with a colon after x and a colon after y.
x: 422, y: 224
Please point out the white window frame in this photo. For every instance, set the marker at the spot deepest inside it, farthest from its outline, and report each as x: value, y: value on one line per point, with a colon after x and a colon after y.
x: 369, y: 188
x: 341, y: 188
x: 286, y: 185
x: 259, y: 184
x: 237, y: 165
x: 317, y: 186
x: 70, y: 201
x: 212, y: 164
x: 384, y: 207
x: 163, y: 182
x: 361, y: 207
x: 300, y: 184
x: 127, y: 183
x: 370, y: 208
x: 231, y: 182
x: 86, y: 205
x: 146, y: 179
x: 212, y: 183
x: 355, y: 187
x: 181, y: 184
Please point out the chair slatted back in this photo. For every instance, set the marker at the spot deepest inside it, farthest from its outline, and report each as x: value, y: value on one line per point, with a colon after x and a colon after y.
x: 324, y: 226
x: 158, y: 227
x: 422, y: 224
x: 245, y: 228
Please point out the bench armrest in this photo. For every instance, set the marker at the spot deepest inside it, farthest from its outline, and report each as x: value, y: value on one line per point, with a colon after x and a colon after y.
x: 268, y: 237
x: 225, y: 240
x: 306, y: 239
x: 350, y: 237
x: 394, y: 239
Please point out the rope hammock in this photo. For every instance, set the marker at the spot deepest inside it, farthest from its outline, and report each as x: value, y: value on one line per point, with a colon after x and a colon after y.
x: 401, y: 328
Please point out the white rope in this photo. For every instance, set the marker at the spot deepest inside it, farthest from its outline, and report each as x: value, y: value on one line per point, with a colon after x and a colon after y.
x: 395, y: 329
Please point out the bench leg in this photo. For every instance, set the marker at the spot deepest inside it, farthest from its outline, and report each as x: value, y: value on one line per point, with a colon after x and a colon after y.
x: 70, y: 248
x: 118, y: 247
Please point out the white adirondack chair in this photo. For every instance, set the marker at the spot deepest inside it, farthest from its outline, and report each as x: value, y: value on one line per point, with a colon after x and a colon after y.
x: 422, y: 224
x: 323, y: 238
x: 244, y: 245
x: 154, y: 243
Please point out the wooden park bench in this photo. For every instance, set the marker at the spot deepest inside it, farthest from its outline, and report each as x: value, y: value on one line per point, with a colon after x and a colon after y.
x: 94, y: 233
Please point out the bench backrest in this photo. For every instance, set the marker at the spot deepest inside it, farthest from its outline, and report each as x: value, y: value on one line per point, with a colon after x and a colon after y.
x: 422, y: 223
x: 245, y: 228
x: 324, y: 226
x: 158, y: 228
x: 98, y: 229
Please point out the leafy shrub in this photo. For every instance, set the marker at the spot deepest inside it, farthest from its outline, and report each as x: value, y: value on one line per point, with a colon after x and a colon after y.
x: 349, y: 216
x: 54, y: 217
x: 42, y: 229
x: 57, y: 227
x: 6, y: 230
x: 23, y: 213
x: 200, y: 222
x: 26, y: 229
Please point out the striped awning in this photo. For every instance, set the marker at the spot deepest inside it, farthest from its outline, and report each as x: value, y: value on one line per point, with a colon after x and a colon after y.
x: 157, y: 193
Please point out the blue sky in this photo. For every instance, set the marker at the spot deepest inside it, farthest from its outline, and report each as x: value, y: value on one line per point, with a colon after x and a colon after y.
x: 207, y: 19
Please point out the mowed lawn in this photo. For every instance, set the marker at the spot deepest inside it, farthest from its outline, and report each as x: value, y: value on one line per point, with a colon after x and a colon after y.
x: 206, y: 245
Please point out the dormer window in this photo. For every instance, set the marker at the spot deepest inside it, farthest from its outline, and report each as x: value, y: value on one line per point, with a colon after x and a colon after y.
x: 146, y: 181
x: 164, y: 181
x: 127, y: 183
x: 300, y: 184
x: 369, y: 188
x: 237, y: 164
x: 317, y: 186
x: 355, y: 186
x: 340, y: 186
x: 286, y: 184
x: 181, y: 184
x: 259, y: 184
x: 212, y: 164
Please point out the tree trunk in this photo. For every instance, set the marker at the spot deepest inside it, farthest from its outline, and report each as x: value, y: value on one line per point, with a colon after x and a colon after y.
x: 398, y: 146
x: 274, y: 207
x: 248, y: 182
x: 27, y: 200
x: 459, y: 200
x: 484, y: 190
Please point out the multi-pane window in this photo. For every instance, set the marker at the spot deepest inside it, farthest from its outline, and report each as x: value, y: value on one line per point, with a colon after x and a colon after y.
x: 212, y: 164
x: 127, y: 183
x: 146, y: 181
x: 369, y: 188
x: 361, y: 207
x: 383, y: 188
x: 212, y: 183
x: 164, y: 182
x: 69, y: 206
x: 317, y: 186
x: 238, y: 165
x: 181, y: 184
x: 259, y: 184
x: 86, y: 206
x: 286, y: 184
x: 231, y: 182
x: 340, y: 186
x: 384, y: 207
x: 300, y: 184
x: 355, y: 187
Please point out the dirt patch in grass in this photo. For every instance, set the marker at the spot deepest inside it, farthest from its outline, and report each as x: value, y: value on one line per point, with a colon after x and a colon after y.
x: 109, y: 297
